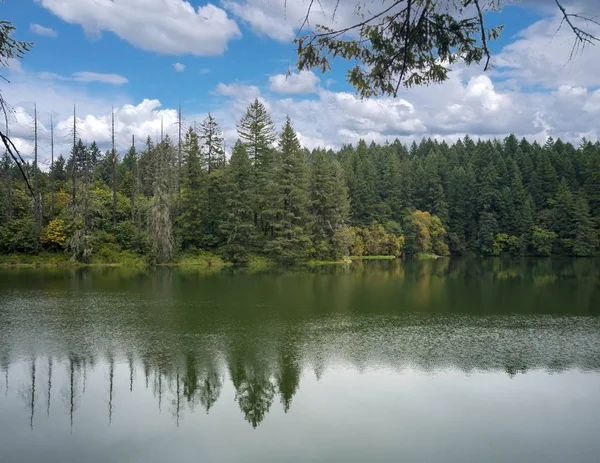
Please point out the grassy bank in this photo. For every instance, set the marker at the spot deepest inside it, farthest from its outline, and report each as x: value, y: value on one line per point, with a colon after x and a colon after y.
x: 201, y: 260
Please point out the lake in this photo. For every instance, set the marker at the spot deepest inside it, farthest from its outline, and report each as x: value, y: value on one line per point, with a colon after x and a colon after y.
x: 383, y: 361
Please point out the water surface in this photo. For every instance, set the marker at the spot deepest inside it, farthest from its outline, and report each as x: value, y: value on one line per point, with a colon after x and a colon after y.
x: 436, y: 361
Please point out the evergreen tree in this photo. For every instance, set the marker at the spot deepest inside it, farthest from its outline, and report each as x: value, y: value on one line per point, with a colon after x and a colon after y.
x: 212, y: 143
x: 585, y: 236
x: 257, y: 133
x: 329, y: 206
x: 291, y: 241
x: 193, y: 193
x: 362, y: 185
x: 237, y: 224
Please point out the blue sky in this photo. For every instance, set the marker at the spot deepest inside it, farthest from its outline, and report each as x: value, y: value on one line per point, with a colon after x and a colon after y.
x: 124, y: 53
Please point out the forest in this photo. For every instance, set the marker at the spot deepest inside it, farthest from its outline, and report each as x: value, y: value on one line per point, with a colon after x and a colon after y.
x: 271, y: 197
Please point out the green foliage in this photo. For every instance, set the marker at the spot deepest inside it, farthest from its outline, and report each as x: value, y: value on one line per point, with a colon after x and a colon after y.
x: 290, y: 239
x: 375, y: 241
x: 424, y: 233
x: 18, y: 236
x: 329, y: 208
x: 543, y: 241
x: 237, y: 225
x: 284, y: 204
x: 408, y: 45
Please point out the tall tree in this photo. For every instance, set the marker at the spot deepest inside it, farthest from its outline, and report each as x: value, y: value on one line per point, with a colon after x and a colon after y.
x: 193, y: 194
x: 159, y: 216
x: 237, y: 224
x: 212, y: 143
x: 257, y: 133
x: 330, y: 206
x: 291, y: 240
x: 113, y: 167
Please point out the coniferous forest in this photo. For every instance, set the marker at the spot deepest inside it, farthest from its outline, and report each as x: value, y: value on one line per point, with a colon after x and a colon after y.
x: 271, y: 197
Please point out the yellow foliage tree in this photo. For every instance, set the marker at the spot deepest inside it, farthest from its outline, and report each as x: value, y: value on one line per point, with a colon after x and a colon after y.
x: 54, y: 235
x: 427, y: 234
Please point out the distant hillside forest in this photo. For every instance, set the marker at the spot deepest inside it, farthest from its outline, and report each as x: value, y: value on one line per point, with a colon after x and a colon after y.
x: 274, y: 198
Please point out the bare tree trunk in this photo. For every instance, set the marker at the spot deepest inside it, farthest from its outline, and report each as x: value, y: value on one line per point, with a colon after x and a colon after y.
x: 134, y: 179
x: 9, y: 191
x: 51, y: 168
x: 36, y: 190
x: 179, y: 156
x: 114, y: 170
x: 74, y: 164
x: 86, y: 194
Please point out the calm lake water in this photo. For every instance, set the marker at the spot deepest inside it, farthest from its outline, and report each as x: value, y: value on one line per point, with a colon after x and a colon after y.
x: 437, y: 361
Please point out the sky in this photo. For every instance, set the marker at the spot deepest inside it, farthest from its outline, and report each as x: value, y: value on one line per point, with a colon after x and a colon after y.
x: 147, y: 57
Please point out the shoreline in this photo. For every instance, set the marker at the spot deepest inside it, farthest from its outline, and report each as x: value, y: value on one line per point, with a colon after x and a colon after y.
x: 203, y: 261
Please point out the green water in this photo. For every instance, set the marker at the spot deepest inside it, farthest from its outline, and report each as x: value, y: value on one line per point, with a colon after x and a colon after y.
x: 434, y: 361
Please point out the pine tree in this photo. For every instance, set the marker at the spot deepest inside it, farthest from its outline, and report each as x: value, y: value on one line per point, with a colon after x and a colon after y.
x: 237, y: 224
x: 434, y: 197
x: 362, y: 185
x: 214, y: 157
x: 95, y: 156
x: 148, y: 161
x: 330, y: 206
x: 291, y: 241
x: 193, y: 193
x: 211, y: 137
x: 257, y: 133
x: 585, y: 237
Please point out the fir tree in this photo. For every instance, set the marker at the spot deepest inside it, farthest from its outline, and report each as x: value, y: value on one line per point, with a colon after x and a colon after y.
x: 193, y: 193
x: 212, y: 143
x: 237, y: 224
x: 330, y: 206
x: 291, y: 241
x: 257, y: 133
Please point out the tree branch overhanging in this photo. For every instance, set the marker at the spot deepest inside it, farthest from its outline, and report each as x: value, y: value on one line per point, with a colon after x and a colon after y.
x: 393, y: 47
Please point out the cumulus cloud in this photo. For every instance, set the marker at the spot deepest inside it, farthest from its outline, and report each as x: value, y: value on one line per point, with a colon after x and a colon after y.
x: 165, y: 26
x: 469, y: 102
x: 301, y: 82
x: 43, y: 31
x: 179, y: 67
x: 238, y: 91
x: 281, y: 20
x: 542, y: 54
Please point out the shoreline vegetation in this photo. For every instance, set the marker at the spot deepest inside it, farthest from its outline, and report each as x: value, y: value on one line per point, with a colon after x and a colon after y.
x: 201, y: 261
x: 273, y: 203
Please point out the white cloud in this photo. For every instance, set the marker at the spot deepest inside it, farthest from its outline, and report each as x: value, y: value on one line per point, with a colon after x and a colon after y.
x: 204, y: 71
x: 43, y: 31
x: 302, y: 82
x: 179, y: 67
x: 281, y: 20
x: 86, y: 76
x: 165, y: 26
x: 14, y: 65
x: 542, y: 54
x: 113, y: 79
x: 238, y: 91
x: 469, y: 102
